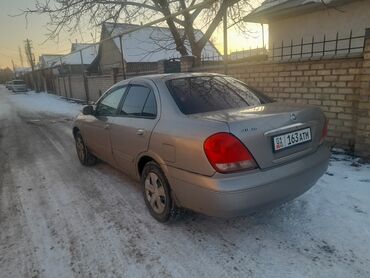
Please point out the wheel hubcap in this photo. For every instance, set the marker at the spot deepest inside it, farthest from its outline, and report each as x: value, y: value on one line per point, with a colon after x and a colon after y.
x: 80, y: 149
x: 155, y: 193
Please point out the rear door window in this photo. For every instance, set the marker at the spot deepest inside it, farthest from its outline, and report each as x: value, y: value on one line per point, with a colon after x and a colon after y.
x: 150, y: 107
x: 139, y: 102
x: 212, y: 93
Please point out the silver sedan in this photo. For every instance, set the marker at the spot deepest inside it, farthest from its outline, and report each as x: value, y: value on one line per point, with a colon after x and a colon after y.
x: 204, y: 142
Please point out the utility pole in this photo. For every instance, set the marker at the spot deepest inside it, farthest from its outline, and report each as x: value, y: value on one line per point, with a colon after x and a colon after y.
x: 122, y: 59
x: 15, y: 75
x: 226, y: 70
x: 20, y: 56
x: 31, y: 61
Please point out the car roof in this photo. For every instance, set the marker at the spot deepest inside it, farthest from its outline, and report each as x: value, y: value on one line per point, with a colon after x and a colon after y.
x: 168, y: 76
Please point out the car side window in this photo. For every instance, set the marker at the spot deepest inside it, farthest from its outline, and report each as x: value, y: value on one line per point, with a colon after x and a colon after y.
x: 139, y: 102
x: 109, y: 104
x: 150, y: 107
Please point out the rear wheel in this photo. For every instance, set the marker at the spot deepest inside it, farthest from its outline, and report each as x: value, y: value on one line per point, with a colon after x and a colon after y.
x: 157, y: 194
x: 86, y: 158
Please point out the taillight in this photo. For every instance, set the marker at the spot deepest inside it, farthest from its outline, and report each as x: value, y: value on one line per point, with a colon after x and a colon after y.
x: 227, y: 154
x: 324, y: 133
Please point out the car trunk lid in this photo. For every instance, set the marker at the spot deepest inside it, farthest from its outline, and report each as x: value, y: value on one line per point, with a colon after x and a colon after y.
x: 256, y: 127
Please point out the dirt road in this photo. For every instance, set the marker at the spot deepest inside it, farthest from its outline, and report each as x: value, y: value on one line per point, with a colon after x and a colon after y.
x: 60, y: 219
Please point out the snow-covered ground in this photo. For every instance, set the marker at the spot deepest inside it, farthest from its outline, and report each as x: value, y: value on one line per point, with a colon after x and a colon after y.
x: 60, y: 219
x: 44, y: 103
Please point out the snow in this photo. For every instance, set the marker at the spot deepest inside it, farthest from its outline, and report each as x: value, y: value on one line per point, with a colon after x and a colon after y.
x: 44, y: 103
x: 89, y: 53
x: 151, y: 44
x: 49, y: 60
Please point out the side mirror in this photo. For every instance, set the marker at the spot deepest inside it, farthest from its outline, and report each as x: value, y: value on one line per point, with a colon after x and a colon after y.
x: 88, y: 110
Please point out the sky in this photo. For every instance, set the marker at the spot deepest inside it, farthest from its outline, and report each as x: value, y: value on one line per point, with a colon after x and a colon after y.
x: 15, y: 29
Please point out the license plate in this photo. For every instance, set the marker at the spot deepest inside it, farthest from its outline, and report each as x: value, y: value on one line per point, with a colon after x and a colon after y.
x: 290, y: 139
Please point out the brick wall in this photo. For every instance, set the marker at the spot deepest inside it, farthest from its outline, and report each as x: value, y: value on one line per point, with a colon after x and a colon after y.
x: 340, y: 86
x: 332, y: 84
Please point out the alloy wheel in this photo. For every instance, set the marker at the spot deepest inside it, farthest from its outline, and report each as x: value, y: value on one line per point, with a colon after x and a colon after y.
x: 80, y: 148
x: 155, y: 193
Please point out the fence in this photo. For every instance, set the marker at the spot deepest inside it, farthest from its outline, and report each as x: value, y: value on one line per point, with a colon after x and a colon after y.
x: 314, y: 48
x: 338, y: 84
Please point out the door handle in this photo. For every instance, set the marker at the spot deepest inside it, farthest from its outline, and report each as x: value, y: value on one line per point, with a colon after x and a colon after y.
x: 140, y: 131
x: 107, y: 126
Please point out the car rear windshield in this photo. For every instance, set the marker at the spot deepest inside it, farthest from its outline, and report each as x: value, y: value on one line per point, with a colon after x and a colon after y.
x: 18, y: 82
x: 212, y: 93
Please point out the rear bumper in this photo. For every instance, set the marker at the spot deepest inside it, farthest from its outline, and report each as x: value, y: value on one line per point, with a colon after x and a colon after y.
x: 243, y: 193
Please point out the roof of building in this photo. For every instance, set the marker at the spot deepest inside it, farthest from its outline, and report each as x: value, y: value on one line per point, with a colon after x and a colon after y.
x: 274, y: 9
x: 150, y: 44
x: 49, y: 60
x: 89, y: 53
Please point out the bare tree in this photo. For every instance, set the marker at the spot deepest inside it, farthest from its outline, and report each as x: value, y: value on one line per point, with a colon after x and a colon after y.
x: 67, y: 15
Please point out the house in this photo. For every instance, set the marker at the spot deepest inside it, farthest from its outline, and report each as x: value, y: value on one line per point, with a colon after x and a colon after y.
x: 142, y: 48
x: 71, y: 62
x: 49, y: 60
x: 293, y: 21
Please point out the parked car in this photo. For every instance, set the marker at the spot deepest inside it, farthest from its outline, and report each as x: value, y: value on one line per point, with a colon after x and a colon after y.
x: 18, y: 86
x: 204, y: 142
x: 8, y: 84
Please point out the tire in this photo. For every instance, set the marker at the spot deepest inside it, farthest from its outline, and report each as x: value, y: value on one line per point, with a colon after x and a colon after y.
x: 86, y: 158
x: 157, y: 193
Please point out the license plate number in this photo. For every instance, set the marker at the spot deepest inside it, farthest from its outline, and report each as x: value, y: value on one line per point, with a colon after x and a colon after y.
x: 291, y: 139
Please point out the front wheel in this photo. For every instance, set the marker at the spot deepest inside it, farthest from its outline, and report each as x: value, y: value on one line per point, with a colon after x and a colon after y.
x: 157, y: 194
x: 86, y: 158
